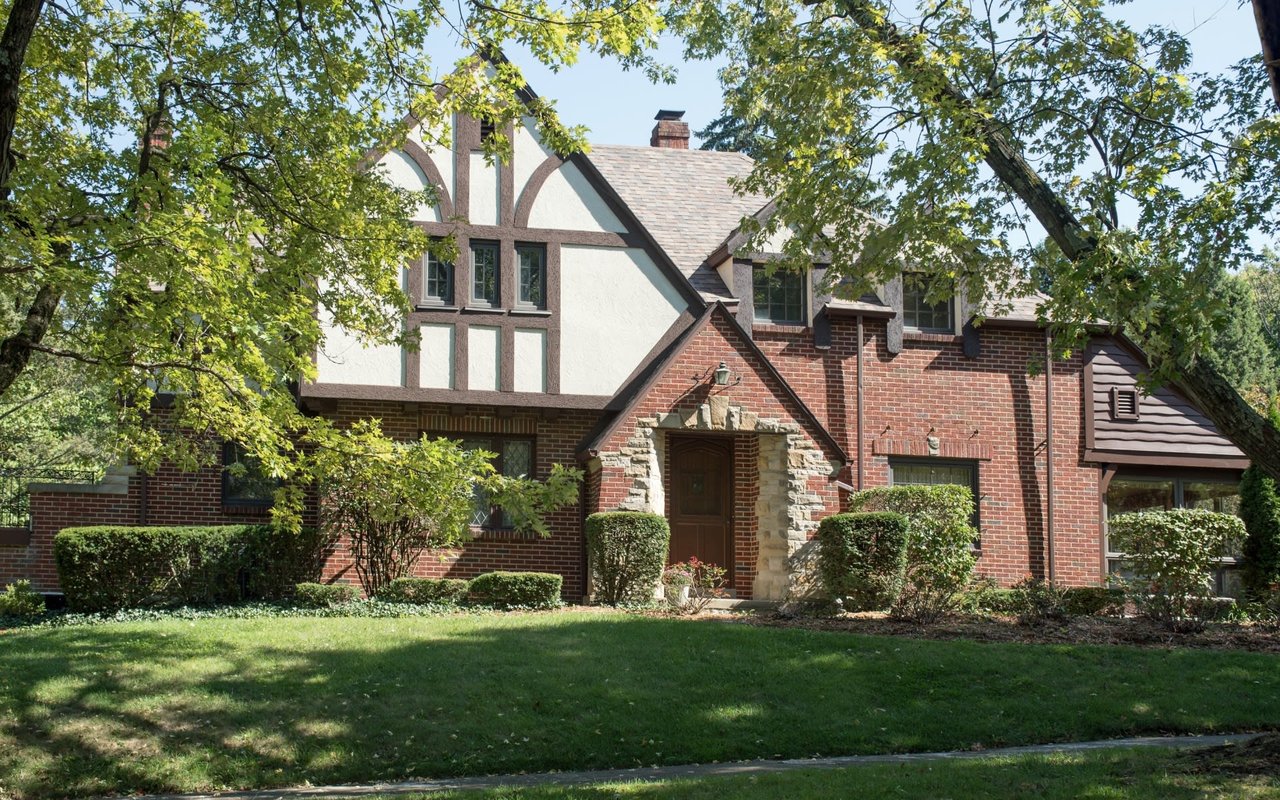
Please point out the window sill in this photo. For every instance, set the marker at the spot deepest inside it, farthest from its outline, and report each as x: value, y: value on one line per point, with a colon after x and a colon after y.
x: 500, y: 534
x: 931, y: 337
x: 483, y: 310
x: 529, y: 312
x: 251, y: 509
x: 434, y: 307
x: 779, y: 327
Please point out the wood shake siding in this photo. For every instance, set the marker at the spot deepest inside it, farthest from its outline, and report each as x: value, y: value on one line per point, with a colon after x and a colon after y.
x: 1166, y: 422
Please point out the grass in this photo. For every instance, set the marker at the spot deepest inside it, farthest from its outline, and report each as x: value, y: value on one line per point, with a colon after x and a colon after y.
x: 200, y: 705
x: 1109, y: 775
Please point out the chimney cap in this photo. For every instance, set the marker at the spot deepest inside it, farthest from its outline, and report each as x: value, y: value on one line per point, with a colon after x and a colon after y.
x: 668, y: 114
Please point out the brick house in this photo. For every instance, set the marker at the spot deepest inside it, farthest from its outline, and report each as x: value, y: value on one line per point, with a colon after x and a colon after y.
x: 602, y: 314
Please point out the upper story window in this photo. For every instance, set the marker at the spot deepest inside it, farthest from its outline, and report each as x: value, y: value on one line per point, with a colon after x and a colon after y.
x: 484, y: 273
x: 778, y: 297
x: 533, y: 275
x: 437, y: 287
x: 920, y: 315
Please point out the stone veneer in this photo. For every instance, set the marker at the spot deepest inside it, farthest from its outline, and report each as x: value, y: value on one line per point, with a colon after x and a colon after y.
x: 787, y: 509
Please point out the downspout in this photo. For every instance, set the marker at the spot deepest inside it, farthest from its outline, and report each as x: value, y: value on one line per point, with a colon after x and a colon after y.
x: 1048, y: 438
x: 859, y: 432
x: 143, y: 502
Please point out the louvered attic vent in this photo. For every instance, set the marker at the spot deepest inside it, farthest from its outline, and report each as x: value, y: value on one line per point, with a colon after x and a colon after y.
x: 1124, y: 404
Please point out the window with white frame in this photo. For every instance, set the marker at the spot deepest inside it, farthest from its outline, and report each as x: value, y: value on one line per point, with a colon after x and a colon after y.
x: 918, y: 314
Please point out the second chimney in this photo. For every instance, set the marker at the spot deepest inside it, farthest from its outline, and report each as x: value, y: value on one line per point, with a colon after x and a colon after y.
x: 671, y: 131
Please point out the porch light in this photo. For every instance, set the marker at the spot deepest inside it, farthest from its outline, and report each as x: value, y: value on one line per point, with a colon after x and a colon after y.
x: 722, y: 374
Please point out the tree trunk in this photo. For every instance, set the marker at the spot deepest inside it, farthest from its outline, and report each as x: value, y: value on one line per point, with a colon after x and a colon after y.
x: 1202, y: 383
x: 18, y: 30
x: 15, y: 352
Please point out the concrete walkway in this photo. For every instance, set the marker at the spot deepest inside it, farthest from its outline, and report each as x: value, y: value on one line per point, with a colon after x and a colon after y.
x: 758, y: 767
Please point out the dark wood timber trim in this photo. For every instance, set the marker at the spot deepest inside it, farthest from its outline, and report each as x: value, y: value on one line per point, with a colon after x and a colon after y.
x: 401, y: 394
x: 15, y: 537
x: 444, y: 194
x: 531, y: 188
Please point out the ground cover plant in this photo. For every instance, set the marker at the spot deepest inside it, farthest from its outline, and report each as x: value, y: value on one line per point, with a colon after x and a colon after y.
x: 182, y: 705
x: 1122, y: 774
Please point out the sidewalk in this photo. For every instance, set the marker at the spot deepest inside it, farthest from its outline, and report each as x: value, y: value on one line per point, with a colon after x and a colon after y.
x: 758, y: 767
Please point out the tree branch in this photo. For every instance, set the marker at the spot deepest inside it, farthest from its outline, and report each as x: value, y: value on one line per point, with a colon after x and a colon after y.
x: 18, y: 30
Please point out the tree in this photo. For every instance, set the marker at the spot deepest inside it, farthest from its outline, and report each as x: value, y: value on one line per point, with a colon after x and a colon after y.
x: 1240, y: 348
x: 395, y: 500
x: 954, y: 136
x: 1260, y: 510
x: 184, y: 184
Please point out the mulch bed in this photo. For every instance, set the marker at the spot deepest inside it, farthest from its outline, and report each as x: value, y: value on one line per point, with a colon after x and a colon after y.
x: 1083, y: 630
x: 1260, y: 756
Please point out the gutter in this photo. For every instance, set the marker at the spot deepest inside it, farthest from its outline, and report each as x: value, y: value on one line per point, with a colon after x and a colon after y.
x: 1048, y: 438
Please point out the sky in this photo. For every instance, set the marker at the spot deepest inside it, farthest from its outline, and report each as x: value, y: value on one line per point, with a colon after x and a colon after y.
x: 618, y: 106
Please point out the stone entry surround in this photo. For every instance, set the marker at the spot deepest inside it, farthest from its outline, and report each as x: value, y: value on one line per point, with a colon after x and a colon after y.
x: 790, y: 469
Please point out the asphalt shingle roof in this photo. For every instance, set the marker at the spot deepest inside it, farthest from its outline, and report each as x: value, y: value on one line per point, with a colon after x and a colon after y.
x: 683, y: 198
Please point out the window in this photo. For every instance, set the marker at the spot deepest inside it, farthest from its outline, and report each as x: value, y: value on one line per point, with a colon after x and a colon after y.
x: 513, y: 458
x: 1127, y: 494
x: 778, y: 296
x: 484, y: 273
x: 437, y: 281
x: 934, y: 472
x: 487, y: 129
x: 243, y: 481
x: 533, y: 275
x: 920, y: 315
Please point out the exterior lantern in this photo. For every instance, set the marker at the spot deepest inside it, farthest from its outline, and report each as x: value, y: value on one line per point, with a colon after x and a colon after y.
x: 722, y: 375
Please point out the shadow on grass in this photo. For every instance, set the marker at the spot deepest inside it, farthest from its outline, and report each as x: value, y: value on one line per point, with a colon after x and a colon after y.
x: 182, y: 706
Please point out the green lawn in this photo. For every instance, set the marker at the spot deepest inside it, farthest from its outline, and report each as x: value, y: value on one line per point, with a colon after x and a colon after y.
x: 183, y: 705
x: 1111, y: 775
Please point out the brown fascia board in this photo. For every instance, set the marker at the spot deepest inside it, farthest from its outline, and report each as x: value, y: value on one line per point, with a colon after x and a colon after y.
x: 852, y: 313
x: 591, y: 447
x: 627, y: 398
x: 737, y: 238
x: 628, y: 218
x: 1139, y: 459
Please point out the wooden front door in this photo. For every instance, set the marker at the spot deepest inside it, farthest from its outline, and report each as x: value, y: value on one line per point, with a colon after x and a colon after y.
x: 702, y: 502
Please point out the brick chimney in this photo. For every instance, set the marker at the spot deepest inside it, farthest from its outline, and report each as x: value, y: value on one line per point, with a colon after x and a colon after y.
x: 671, y: 131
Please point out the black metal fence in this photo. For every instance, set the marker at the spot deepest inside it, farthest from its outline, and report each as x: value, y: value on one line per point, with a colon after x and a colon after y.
x: 15, y: 502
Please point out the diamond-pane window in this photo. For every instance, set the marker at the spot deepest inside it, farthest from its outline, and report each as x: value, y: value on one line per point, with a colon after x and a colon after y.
x: 514, y: 458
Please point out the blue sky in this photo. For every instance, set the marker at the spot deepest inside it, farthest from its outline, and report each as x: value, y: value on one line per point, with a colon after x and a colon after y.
x: 618, y: 106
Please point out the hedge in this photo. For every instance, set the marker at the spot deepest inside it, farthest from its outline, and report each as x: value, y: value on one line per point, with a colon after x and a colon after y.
x: 425, y: 591
x: 1170, y: 554
x: 107, y: 568
x: 323, y: 595
x: 862, y: 557
x: 1260, y: 510
x: 627, y: 551
x: 940, y: 556
x: 523, y: 589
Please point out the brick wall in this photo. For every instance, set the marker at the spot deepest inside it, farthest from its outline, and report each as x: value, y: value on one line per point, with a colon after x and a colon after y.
x: 988, y: 405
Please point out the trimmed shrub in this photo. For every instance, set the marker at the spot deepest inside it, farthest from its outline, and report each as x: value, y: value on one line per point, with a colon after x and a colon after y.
x: 627, y: 551
x: 862, y: 558
x: 276, y: 559
x: 519, y: 589
x: 985, y: 596
x: 110, y: 567
x: 20, y: 600
x: 940, y: 541
x: 1093, y: 601
x: 425, y: 591
x: 323, y: 595
x: 1169, y: 554
x: 1260, y: 510
x: 1036, y: 601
